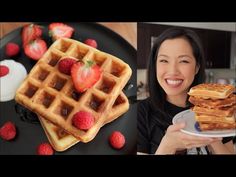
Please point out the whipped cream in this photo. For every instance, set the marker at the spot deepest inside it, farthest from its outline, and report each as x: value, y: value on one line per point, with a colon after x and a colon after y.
x: 10, y: 82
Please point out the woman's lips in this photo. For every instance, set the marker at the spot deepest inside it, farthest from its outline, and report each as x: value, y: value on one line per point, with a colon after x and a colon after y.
x: 174, y: 82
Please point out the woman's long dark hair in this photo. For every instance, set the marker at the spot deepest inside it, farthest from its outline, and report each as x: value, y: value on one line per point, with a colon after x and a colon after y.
x: 157, y: 94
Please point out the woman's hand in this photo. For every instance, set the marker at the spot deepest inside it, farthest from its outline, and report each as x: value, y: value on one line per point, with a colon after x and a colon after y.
x: 174, y: 140
x: 220, y: 148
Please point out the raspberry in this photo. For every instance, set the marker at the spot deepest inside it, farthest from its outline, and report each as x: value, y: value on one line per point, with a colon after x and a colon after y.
x: 91, y: 42
x: 45, y: 149
x: 4, y: 70
x: 12, y: 49
x: 8, y: 131
x: 65, y: 65
x: 117, y: 140
x: 83, y: 120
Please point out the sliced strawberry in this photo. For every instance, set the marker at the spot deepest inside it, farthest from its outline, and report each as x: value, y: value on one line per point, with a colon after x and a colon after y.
x: 59, y: 30
x: 36, y: 49
x: 30, y: 32
x: 85, y: 75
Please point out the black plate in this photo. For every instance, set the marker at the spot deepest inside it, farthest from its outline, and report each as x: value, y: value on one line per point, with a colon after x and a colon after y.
x: 30, y: 135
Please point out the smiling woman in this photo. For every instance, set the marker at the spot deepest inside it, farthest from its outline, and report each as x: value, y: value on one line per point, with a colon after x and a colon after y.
x: 176, y: 69
x: 176, y: 64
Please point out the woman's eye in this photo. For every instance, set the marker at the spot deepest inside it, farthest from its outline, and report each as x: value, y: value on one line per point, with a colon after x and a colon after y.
x: 184, y: 61
x: 163, y: 61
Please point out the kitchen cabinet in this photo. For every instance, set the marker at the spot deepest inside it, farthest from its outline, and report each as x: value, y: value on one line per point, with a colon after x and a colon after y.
x: 217, y: 49
x: 216, y: 44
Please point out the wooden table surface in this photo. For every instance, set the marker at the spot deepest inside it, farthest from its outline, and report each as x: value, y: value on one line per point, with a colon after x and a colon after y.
x: 127, y: 30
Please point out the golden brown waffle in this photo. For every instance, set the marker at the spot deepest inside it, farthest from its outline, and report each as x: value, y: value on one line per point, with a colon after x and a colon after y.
x: 60, y: 140
x: 214, y: 119
x: 213, y: 103
x: 226, y: 111
x: 216, y: 126
x: 51, y: 94
x: 214, y: 91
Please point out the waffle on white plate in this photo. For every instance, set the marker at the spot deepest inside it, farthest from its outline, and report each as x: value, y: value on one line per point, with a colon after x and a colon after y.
x: 213, y: 103
x: 51, y: 94
x: 211, y: 90
x: 225, y: 111
x: 216, y: 126
x: 214, y: 106
x: 61, y: 141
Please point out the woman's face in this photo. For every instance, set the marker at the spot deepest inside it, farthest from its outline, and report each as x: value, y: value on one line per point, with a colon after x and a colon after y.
x: 176, y: 66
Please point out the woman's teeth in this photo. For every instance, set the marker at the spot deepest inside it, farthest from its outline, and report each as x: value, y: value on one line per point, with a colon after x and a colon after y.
x: 174, y: 82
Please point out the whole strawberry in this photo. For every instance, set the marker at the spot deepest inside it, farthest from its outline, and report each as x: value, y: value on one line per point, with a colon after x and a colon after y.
x: 12, y: 49
x: 45, y: 149
x: 8, y: 131
x: 85, y: 75
x: 65, y: 65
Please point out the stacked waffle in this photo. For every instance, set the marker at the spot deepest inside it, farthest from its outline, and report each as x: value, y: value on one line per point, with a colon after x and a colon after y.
x: 214, y: 106
x: 52, y: 95
x: 61, y: 140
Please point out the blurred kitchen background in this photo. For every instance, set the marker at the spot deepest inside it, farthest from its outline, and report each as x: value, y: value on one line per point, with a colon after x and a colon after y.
x: 219, y: 42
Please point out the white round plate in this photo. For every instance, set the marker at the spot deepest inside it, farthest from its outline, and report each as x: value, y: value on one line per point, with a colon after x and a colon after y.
x: 189, y: 118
